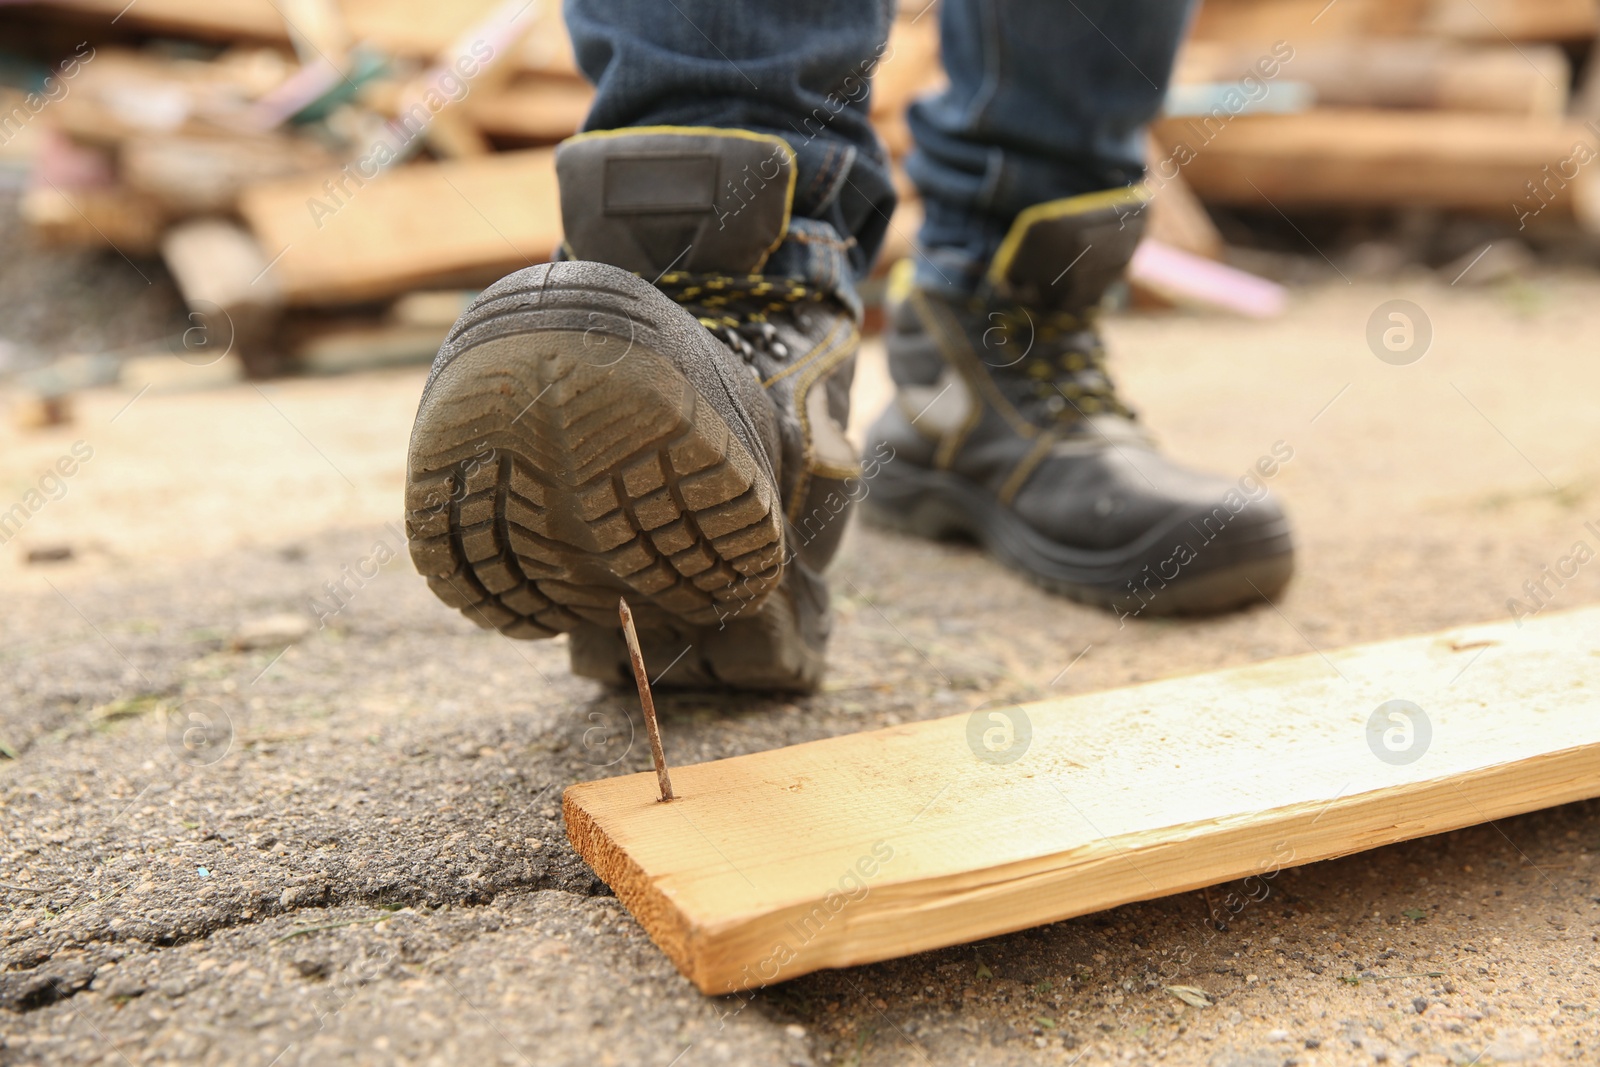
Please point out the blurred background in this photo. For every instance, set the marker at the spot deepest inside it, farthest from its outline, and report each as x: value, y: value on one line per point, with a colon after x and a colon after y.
x: 315, y: 186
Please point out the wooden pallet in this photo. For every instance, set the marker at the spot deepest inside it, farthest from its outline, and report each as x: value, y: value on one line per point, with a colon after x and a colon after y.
x: 876, y: 845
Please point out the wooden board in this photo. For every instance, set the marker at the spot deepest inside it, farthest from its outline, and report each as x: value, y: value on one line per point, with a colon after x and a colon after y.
x: 203, y: 175
x: 407, y: 27
x: 1473, y: 20
x: 1330, y: 157
x: 1176, y: 215
x: 1401, y: 72
x: 464, y: 222
x: 876, y: 845
x: 532, y: 109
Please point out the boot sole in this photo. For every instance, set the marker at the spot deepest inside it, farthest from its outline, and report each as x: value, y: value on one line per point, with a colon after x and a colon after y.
x: 563, y: 457
x: 1226, y: 575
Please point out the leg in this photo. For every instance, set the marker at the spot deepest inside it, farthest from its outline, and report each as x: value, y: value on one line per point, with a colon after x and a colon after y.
x: 660, y: 414
x: 1046, y: 101
x: 1006, y: 425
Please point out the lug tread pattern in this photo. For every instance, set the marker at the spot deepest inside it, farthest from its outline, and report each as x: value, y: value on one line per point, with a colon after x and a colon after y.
x: 604, y: 484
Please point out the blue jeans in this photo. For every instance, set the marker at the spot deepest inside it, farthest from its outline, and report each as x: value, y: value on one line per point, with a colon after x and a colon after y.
x: 1047, y: 99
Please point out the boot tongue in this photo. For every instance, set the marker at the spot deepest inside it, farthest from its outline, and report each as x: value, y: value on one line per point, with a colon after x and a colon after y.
x: 1062, y: 255
x: 676, y: 197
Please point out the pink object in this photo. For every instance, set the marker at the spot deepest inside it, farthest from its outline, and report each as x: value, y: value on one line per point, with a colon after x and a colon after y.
x: 1186, y: 278
x: 66, y: 164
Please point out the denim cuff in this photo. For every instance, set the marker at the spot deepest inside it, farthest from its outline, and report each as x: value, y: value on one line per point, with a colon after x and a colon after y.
x: 813, y: 250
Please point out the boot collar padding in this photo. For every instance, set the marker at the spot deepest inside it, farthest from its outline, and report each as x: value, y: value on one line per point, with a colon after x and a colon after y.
x: 1065, y: 253
x: 689, y: 198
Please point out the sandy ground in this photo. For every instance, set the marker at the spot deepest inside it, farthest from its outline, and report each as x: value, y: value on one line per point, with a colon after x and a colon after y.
x: 366, y: 860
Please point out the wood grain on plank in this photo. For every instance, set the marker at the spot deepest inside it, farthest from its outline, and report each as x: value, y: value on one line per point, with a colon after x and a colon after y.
x: 875, y: 845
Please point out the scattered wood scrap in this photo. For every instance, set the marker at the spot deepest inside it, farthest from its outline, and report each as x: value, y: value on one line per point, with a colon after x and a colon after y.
x: 244, y: 109
x: 332, y: 238
x: 537, y: 110
x: 875, y: 845
x: 191, y: 176
x: 1328, y: 157
x: 404, y: 27
x: 1415, y: 72
x: 232, y: 296
x: 1468, y: 20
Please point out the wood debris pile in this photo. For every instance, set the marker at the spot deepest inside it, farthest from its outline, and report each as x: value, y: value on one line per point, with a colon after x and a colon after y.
x: 302, y: 165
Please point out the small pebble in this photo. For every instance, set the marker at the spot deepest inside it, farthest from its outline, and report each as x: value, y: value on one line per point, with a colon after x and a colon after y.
x: 272, y: 631
x: 50, y: 554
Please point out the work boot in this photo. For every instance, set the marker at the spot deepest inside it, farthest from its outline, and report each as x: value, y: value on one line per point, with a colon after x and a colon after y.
x: 1006, y: 428
x: 650, y: 418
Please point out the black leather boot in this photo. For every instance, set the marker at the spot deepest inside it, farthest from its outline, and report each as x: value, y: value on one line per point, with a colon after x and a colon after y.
x: 1007, y: 429
x: 653, y: 417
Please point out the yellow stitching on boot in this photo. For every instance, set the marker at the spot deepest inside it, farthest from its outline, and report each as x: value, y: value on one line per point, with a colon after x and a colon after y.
x: 803, y: 361
x: 902, y: 276
x: 1019, y: 474
x: 822, y: 366
x: 965, y: 361
x: 945, y: 454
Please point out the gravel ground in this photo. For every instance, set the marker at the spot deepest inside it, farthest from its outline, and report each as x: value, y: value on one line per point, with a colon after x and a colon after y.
x: 231, y: 836
x: 78, y: 300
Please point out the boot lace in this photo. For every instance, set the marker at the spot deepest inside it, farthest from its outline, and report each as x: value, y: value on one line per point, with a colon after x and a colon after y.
x: 1055, y: 357
x: 737, y: 308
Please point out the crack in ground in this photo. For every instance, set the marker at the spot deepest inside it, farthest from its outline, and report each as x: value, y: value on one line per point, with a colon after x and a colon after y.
x: 50, y: 988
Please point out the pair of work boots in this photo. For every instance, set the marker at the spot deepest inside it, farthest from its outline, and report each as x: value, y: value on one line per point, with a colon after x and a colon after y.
x: 653, y: 417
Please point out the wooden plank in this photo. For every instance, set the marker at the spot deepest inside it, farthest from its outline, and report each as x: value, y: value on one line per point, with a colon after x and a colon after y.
x: 189, y: 175
x: 213, y: 20
x: 462, y: 222
x: 408, y: 27
x: 1264, y: 21
x: 1408, y: 72
x: 875, y: 845
x: 1176, y: 215
x: 263, y: 20
x: 1332, y: 157
x: 318, y: 31
x: 92, y: 217
x: 538, y: 109
x: 233, y: 304
x: 909, y: 66
x: 1517, y: 20
x: 123, y: 95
